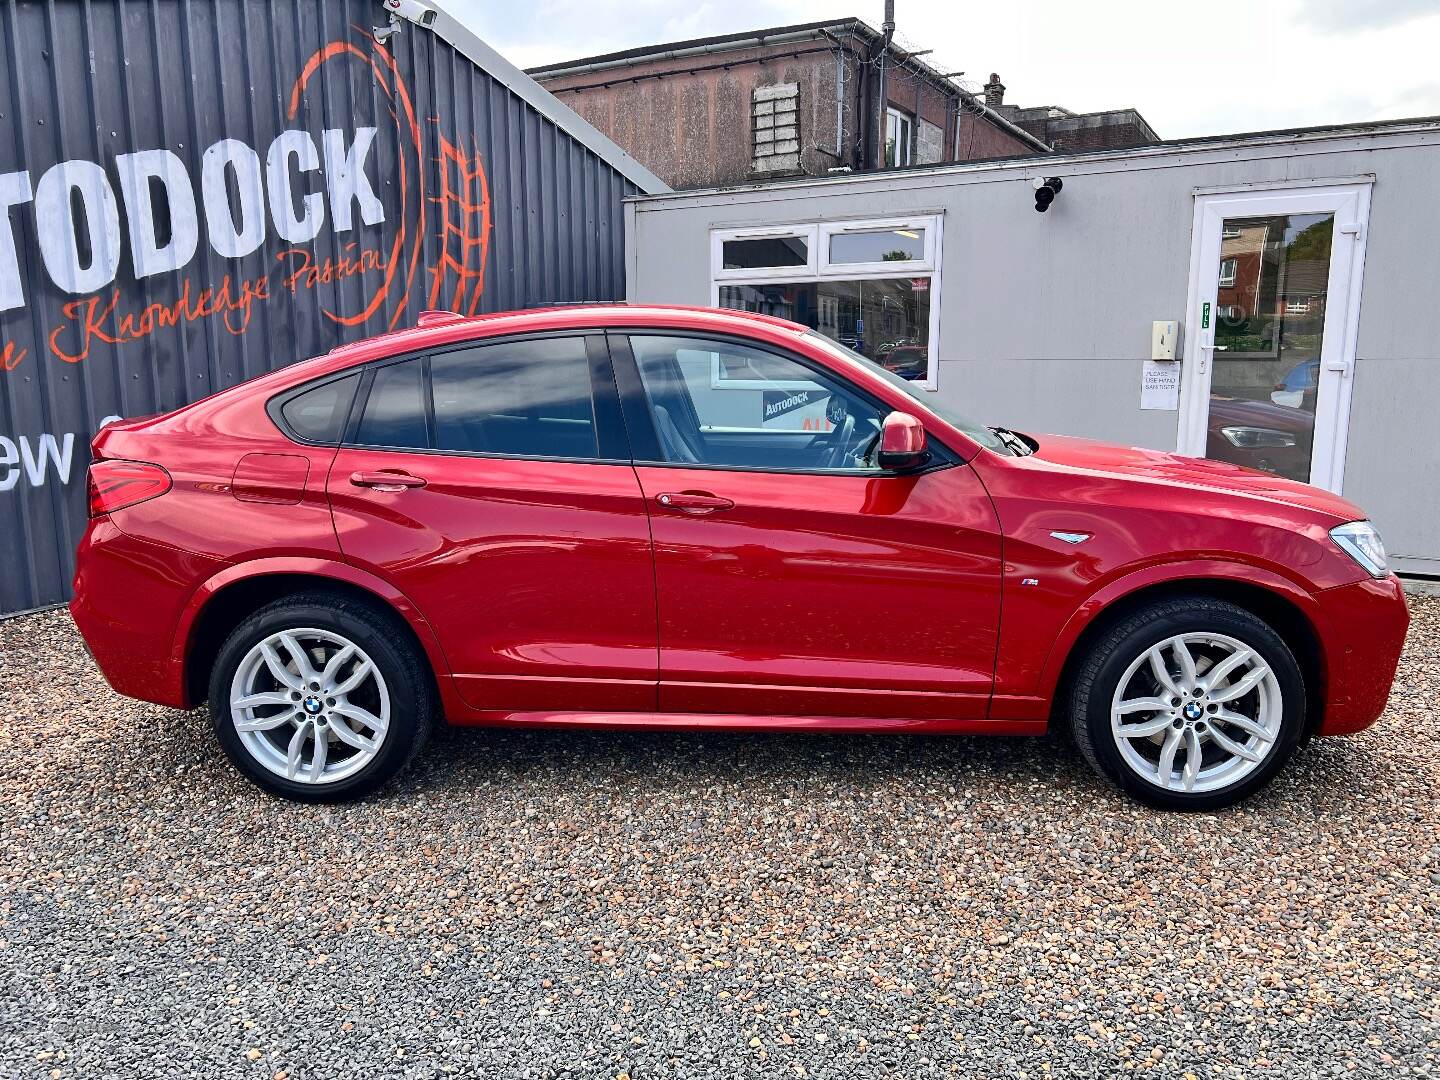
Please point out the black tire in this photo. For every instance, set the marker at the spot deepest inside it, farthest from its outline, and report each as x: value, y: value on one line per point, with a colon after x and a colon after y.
x: 381, y: 636
x: 1105, y: 662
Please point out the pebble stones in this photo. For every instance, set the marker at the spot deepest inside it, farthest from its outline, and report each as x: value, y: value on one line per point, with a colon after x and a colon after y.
x: 602, y: 904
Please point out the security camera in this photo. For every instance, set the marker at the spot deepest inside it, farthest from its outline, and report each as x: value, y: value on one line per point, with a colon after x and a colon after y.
x: 1046, y: 188
x: 416, y: 11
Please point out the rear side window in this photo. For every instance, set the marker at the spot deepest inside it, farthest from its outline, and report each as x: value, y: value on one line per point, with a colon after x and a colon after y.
x: 529, y: 398
x: 395, y: 410
x: 318, y: 415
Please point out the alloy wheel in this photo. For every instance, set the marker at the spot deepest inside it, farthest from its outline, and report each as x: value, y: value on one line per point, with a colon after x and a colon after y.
x: 1197, y: 712
x: 309, y: 705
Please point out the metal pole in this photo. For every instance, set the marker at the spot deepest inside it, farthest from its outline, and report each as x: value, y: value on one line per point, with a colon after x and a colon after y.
x: 888, y: 30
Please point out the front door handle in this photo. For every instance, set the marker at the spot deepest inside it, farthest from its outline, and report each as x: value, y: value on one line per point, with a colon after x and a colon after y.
x: 694, y: 502
x: 386, y: 481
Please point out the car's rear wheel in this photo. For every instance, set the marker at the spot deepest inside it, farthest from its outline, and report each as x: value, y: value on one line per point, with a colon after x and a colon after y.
x: 320, y: 699
x: 1190, y: 704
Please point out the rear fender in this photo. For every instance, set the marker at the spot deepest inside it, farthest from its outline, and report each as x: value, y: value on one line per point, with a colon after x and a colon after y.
x: 322, y: 570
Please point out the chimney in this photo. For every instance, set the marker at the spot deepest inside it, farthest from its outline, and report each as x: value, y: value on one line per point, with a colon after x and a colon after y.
x: 994, y: 91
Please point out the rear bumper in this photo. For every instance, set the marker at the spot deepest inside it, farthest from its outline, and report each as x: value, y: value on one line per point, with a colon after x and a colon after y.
x: 129, y: 594
x: 1362, y: 633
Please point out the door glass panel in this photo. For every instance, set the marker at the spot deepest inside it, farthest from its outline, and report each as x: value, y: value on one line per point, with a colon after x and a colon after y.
x: 526, y: 398
x: 1269, y: 320
x: 725, y: 404
x: 395, y: 412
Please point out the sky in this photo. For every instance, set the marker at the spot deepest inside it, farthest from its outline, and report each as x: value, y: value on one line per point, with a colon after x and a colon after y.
x: 1212, y: 68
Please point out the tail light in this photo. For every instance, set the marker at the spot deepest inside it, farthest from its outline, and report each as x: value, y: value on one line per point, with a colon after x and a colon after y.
x: 114, y: 485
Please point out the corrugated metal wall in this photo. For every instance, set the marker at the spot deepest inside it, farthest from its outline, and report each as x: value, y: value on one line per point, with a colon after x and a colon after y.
x: 467, y: 198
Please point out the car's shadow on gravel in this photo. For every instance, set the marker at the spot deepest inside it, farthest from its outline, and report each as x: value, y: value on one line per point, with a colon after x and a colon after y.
x: 723, y: 756
x: 1323, y: 776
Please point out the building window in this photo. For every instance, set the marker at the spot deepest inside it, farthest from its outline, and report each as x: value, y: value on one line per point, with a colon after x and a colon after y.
x: 1227, y: 272
x: 851, y: 245
x: 929, y: 143
x: 775, y: 127
x: 898, y: 128
x: 760, y: 252
x: 873, y: 286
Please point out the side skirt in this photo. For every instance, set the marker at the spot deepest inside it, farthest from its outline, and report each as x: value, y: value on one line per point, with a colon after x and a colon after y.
x: 658, y: 721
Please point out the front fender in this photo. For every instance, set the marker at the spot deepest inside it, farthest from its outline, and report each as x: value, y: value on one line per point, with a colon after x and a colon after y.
x: 1111, y: 590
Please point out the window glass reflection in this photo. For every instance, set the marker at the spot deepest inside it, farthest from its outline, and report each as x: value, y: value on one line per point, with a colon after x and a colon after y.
x: 1271, y: 286
x: 886, y: 320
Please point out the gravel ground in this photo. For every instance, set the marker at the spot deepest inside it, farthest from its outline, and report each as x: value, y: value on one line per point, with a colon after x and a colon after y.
x: 601, y: 905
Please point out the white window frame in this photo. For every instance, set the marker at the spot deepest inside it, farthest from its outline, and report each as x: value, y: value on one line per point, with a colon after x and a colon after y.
x: 817, y: 235
x: 1226, y: 280
x: 1349, y: 202
x: 718, y: 238
x: 903, y: 121
x: 922, y: 265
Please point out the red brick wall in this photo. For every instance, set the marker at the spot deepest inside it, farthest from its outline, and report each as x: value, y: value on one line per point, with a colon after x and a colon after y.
x: 1108, y: 137
x: 981, y: 139
x: 688, y: 119
x: 692, y: 127
x: 935, y: 107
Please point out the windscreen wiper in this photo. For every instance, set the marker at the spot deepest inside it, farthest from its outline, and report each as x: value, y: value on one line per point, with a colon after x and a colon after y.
x: 1014, y: 442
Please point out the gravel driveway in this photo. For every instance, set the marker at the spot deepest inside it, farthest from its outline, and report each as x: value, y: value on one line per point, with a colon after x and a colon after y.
x: 595, y: 905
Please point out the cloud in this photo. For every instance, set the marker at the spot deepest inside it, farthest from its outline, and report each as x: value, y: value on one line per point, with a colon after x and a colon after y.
x: 552, y: 30
x: 1243, y: 66
x: 1337, y: 16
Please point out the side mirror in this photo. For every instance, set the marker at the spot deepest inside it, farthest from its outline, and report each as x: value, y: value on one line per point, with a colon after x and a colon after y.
x: 902, y: 443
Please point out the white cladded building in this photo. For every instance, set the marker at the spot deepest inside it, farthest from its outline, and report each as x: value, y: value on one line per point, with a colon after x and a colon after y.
x: 1268, y: 299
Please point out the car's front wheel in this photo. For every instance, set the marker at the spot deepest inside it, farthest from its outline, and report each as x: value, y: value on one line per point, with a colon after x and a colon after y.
x: 1191, y: 703
x: 319, y: 698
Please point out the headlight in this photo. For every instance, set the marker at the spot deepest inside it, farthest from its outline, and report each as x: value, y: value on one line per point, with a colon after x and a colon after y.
x: 1254, y: 438
x: 1362, y: 542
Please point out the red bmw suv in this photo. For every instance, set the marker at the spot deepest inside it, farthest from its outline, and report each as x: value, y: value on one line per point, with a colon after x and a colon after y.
x: 667, y: 517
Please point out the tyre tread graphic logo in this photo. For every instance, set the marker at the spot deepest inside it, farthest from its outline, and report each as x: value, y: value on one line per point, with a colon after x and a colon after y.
x: 464, y: 201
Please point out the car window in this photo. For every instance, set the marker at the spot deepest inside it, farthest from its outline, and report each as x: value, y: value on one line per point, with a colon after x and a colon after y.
x: 722, y: 403
x: 988, y: 437
x: 528, y: 398
x: 319, y: 414
x: 395, y: 410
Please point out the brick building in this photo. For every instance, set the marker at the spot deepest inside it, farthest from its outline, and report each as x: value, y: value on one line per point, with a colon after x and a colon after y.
x: 790, y: 101
x: 1070, y: 132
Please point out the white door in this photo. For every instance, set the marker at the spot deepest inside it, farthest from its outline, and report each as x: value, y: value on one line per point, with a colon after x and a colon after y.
x: 1274, y: 306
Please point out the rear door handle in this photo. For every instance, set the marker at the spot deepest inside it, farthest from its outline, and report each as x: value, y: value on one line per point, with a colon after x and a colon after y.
x: 694, y: 502
x: 386, y: 481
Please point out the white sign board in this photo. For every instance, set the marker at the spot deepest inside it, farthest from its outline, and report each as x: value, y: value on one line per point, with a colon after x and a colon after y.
x: 1160, y: 385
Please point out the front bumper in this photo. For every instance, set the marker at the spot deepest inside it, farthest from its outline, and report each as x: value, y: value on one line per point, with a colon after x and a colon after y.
x: 129, y: 595
x: 1362, y: 631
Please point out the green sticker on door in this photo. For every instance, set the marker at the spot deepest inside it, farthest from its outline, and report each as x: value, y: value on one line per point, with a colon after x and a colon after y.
x: 1205, y: 316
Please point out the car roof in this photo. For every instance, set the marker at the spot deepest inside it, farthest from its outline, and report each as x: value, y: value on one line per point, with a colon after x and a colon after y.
x: 440, y: 328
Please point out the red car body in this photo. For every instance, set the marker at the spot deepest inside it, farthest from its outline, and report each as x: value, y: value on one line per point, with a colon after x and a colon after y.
x: 556, y: 592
